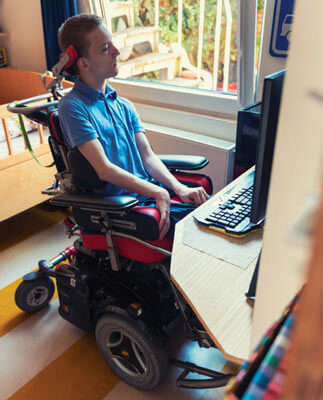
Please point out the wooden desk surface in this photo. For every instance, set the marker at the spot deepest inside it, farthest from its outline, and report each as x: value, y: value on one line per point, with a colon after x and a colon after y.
x: 215, y: 290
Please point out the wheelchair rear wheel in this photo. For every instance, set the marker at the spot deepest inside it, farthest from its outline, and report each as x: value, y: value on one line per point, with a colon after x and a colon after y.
x: 131, y: 350
x: 34, y: 295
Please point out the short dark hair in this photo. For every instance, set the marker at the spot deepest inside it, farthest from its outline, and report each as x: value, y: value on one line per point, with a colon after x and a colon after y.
x: 74, y: 31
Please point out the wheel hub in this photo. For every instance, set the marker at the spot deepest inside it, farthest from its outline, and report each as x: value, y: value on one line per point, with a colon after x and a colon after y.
x: 126, y: 353
x: 37, y: 296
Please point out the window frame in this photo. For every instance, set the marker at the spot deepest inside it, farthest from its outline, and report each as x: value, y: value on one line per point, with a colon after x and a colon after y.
x: 204, y: 102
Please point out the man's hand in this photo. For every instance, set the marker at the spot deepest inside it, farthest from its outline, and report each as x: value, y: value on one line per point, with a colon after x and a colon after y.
x: 195, y: 196
x: 163, y: 205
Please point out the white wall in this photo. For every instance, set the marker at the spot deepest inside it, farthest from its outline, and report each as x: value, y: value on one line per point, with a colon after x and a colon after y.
x: 268, y: 64
x: 22, y: 20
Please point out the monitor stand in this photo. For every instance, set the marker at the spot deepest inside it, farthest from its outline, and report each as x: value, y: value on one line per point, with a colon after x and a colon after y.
x: 251, y: 293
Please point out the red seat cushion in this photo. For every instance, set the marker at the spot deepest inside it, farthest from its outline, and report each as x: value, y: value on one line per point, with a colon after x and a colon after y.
x: 129, y: 248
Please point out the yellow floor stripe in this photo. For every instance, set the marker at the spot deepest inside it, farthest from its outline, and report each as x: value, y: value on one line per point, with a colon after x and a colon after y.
x: 11, y: 315
x: 80, y: 373
x: 29, y: 223
x: 23, y: 225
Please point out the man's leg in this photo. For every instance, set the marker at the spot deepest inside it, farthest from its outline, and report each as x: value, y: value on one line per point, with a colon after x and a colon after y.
x: 177, y: 212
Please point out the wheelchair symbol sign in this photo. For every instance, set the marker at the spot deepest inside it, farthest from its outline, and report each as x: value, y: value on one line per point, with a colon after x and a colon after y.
x: 282, y: 28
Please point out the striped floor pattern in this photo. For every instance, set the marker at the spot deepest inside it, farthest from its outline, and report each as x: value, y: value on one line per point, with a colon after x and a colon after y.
x: 42, y: 356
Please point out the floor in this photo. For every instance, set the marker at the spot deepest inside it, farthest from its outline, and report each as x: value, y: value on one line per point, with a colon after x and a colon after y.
x: 44, y: 356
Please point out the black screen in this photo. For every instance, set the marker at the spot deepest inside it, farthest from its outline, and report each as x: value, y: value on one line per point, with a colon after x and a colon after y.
x: 246, y: 138
x: 271, y: 97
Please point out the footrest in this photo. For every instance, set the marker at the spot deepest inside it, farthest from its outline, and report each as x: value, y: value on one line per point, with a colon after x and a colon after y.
x: 217, y: 379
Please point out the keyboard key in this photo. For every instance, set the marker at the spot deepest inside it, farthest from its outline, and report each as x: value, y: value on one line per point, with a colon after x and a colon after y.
x: 223, y: 221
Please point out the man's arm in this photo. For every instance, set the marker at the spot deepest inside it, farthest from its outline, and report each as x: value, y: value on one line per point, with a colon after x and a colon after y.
x: 94, y: 153
x: 159, y: 171
x: 78, y: 132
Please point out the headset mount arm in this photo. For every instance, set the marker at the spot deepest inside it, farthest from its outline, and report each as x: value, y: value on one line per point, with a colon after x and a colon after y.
x: 60, y: 71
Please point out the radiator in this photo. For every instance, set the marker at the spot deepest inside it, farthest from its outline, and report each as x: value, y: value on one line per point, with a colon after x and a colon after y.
x: 220, y: 153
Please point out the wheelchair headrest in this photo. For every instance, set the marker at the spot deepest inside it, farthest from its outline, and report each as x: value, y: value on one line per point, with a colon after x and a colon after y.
x: 66, y: 61
x: 83, y: 174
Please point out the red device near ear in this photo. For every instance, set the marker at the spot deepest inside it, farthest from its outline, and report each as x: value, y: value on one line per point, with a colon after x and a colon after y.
x: 66, y: 60
x: 72, y: 54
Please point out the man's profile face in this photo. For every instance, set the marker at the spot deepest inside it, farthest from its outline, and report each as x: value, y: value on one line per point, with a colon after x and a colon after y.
x: 102, y: 55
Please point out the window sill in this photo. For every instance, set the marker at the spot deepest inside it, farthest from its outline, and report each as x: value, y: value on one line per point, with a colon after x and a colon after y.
x: 204, y: 102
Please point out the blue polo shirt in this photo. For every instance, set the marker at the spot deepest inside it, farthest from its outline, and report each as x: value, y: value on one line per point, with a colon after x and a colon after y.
x: 86, y: 114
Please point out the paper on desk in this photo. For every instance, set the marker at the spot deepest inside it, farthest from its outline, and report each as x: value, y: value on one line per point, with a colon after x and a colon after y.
x: 240, y: 252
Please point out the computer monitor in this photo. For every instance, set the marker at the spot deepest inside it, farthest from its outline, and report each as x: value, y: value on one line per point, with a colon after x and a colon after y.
x: 245, y: 206
x: 271, y: 98
x: 247, y: 138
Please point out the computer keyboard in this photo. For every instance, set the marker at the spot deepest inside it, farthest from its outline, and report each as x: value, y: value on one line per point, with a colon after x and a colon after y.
x: 232, y: 215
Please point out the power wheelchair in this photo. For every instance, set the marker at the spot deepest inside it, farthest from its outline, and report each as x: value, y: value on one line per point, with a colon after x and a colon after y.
x: 115, y: 280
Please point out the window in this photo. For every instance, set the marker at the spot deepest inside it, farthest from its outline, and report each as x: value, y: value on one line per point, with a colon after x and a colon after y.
x: 195, y: 56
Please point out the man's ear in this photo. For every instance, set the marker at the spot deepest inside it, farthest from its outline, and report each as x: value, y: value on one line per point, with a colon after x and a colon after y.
x: 82, y: 64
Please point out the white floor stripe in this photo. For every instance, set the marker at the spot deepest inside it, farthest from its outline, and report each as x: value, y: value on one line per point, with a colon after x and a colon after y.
x: 31, y: 346
x: 23, y: 257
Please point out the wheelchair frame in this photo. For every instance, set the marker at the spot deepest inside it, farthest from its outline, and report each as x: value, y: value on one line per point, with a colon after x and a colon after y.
x: 72, y: 280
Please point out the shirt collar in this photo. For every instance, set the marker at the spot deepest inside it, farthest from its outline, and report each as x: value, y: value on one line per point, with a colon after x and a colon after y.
x: 110, y: 92
x: 94, y: 94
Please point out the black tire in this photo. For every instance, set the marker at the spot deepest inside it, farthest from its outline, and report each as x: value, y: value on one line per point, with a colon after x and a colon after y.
x: 135, y: 355
x: 34, y: 295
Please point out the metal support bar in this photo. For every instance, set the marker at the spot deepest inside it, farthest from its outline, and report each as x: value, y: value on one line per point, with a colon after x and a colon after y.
x: 114, y: 259
x: 150, y: 246
x: 178, y: 301
x: 217, y: 379
x: 47, y: 267
x: 105, y: 224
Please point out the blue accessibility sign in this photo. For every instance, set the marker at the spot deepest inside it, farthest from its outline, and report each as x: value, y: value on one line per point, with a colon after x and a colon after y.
x: 282, y: 28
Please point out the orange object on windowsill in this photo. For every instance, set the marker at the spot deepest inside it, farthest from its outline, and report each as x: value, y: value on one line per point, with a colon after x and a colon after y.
x: 188, y: 74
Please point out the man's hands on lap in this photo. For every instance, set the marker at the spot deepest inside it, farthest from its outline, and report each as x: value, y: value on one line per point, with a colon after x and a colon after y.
x: 162, y: 200
x: 187, y: 195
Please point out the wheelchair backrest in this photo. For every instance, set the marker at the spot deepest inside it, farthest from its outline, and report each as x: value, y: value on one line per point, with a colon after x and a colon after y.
x: 57, y: 145
x: 84, y: 176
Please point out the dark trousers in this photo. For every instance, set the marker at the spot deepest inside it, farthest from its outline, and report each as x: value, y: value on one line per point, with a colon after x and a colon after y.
x: 177, y: 212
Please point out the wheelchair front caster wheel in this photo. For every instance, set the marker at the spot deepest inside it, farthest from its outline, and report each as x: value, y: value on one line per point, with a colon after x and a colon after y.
x: 131, y: 351
x: 34, y: 295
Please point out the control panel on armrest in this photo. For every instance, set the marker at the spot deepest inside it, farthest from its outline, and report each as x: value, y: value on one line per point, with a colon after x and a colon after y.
x: 95, y: 201
x: 183, y: 162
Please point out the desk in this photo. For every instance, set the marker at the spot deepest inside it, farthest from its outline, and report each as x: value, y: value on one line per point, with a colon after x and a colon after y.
x: 215, y: 291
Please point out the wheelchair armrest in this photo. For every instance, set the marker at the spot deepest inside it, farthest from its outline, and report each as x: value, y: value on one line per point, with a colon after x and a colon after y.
x: 183, y: 162
x: 95, y: 201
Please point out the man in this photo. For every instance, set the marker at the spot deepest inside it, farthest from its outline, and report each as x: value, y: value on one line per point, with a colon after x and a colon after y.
x: 107, y: 130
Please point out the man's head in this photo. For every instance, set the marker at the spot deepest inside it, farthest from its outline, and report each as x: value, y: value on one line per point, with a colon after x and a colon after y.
x: 92, y: 41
